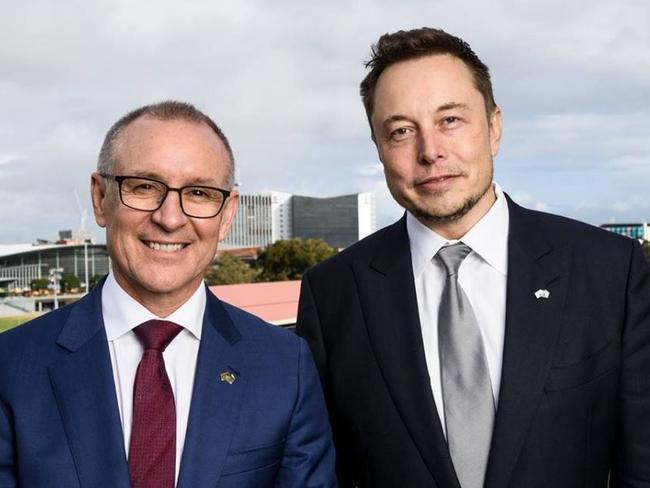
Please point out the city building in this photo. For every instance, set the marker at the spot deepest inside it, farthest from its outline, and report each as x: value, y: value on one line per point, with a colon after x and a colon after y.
x: 22, y: 263
x: 268, y: 217
x: 639, y: 231
x: 260, y: 220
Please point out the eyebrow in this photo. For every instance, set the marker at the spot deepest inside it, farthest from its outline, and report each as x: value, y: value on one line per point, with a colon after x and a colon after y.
x: 441, y: 108
x: 155, y: 176
x: 453, y: 105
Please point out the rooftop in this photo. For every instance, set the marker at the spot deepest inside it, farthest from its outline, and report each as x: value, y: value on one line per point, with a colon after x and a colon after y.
x: 276, y: 302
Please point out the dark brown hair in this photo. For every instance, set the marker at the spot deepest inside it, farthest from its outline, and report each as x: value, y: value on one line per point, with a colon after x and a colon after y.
x: 167, y: 110
x: 416, y: 43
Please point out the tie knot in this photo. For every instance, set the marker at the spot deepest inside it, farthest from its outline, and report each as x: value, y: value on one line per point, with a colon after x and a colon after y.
x: 452, y: 256
x: 157, y: 334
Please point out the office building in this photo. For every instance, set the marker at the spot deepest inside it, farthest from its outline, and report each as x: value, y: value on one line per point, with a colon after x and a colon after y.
x: 268, y: 217
x: 22, y: 263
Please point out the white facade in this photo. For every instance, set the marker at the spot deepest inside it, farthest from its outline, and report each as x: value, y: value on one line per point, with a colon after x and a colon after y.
x: 367, y: 214
x: 281, y: 218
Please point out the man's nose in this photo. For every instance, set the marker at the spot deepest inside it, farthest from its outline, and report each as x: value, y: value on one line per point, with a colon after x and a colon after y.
x: 431, y: 146
x: 170, y: 215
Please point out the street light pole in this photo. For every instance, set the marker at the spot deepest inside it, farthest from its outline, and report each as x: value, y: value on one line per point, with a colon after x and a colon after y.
x: 55, y: 276
x: 86, y: 262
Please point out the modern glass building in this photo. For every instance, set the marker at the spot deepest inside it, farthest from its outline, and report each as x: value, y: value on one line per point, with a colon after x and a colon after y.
x: 21, y: 263
x: 268, y: 217
x: 340, y: 221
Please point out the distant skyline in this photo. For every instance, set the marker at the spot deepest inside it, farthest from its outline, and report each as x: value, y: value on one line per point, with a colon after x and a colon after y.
x: 282, y: 78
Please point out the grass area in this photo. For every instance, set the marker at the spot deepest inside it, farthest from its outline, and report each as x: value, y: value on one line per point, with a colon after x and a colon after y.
x: 7, y: 323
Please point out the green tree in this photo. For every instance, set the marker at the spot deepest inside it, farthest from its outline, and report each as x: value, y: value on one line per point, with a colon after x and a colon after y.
x: 93, y: 280
x: 38, y: 284
x: 68, y: 282
x: 288, y: 260
x: 646, y: 250
x: 229, y: 270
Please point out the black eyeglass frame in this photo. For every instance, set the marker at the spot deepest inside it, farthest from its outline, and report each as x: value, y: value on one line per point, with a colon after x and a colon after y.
x: 120, y: 179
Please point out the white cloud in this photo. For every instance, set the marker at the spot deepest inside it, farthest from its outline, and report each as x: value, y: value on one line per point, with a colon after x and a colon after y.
x: 373, y: 169
x: 282, y: 79
x: 528, y: 200
x: 10, y: 158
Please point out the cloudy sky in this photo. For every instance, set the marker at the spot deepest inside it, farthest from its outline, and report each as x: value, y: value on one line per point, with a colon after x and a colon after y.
x: 281, y: 78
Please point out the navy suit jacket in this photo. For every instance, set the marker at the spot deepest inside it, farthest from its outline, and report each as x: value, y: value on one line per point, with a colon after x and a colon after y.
x: 60, y: 425
x: 574, y: 403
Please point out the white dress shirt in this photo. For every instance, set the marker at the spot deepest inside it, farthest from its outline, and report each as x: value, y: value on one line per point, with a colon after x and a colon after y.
x: 482, y: 275
x: 121, y: 314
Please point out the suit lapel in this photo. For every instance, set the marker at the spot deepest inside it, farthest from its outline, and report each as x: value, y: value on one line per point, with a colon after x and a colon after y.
x: 388, y: 299
x: 532, y: 328
x: 215, y: 402
x: 85, y: 394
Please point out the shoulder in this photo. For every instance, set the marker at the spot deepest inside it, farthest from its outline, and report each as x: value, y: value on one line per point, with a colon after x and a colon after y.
x: 31, y: 346
x: 591, y: 248
x: 41, y: 330
x: 261, y: 336
x: 364, y: 250
x: 563, y: 230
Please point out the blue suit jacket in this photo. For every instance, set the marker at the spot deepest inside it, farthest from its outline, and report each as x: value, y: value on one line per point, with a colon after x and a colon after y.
x: 60, y: 425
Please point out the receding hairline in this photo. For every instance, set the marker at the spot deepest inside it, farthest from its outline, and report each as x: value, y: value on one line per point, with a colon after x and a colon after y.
x: 166, y: 111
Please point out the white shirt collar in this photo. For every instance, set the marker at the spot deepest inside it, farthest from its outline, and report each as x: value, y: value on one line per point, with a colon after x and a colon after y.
x: 488, y: 238
x: 122, y: 313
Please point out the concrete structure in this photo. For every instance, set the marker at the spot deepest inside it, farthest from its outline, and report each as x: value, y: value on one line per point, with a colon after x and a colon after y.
x: 639, y: 230
x: 266, y: 218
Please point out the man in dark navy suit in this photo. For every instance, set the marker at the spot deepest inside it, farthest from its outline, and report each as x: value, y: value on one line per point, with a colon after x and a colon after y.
x: 150, y: 381
x: 475, y: 343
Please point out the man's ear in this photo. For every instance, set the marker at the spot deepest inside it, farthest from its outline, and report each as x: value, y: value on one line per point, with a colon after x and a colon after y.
x: 98, y: 194
x: 496, y: 123
x: 228, y: 214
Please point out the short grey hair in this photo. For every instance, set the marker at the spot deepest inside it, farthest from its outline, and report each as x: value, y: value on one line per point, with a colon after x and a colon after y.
x: 167, y: 110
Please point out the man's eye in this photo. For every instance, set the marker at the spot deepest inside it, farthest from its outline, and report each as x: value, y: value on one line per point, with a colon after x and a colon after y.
x: 142, y: 187
x: 451, y: 120
x: 400, y: 133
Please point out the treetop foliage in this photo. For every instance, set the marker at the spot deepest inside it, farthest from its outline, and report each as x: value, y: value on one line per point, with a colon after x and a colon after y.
x: 289, y: 259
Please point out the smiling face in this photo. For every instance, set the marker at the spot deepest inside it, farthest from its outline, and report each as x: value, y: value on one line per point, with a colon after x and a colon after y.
x: 158, y: 257
x: 436, y: 142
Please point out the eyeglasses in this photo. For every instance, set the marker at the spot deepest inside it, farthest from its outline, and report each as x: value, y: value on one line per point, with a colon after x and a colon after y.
x: 148, y: 195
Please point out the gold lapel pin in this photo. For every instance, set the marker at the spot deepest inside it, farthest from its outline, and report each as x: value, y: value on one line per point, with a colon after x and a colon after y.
x: 228, y: 377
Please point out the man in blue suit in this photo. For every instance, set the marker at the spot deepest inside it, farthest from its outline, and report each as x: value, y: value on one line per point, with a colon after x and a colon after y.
x: 150, y: 380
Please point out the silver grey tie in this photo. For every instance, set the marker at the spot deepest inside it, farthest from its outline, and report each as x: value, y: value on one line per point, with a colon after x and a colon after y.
x: 466, y: 387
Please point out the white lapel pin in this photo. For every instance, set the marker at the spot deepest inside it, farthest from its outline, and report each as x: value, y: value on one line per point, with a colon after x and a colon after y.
x: 542, y: 294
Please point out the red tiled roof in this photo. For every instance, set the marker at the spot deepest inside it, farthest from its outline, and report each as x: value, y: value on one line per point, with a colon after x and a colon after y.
x: 276, y: 302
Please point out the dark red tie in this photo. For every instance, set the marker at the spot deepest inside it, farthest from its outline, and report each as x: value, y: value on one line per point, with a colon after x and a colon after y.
x: 152, y: 450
